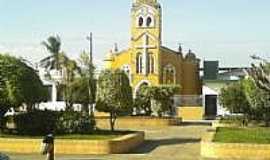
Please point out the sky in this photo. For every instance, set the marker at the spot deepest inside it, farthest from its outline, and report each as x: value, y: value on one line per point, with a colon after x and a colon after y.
x: 225, y: 30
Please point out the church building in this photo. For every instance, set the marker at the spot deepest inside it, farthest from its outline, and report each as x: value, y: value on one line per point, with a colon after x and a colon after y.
x: 148, y: 62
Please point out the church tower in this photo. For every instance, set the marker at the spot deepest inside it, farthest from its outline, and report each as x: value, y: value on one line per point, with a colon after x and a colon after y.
x: 146, y: 19
x: 148, y: 63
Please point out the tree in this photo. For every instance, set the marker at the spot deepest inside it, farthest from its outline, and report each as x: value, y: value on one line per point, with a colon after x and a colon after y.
x: 87, y: 73
x: 80, y: 92
x: 142, y: 101
x: 258, y: 90
x: 156, y: 100
x: 53, y: 45
x: 19, y: 84
x: 70, y: 69
x: 114, y: 94
x: 161, y: 97
x: 233, y: 98
x: 261, y: 75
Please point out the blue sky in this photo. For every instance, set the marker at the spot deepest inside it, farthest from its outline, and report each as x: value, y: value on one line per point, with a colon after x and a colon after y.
x: 225, y: 30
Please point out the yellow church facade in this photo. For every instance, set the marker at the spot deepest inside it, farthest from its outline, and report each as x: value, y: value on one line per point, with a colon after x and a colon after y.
x: 147, y: 61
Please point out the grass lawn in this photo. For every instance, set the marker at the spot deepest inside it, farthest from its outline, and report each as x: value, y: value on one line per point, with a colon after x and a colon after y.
x: 98, y: 135
x: 243, y: 135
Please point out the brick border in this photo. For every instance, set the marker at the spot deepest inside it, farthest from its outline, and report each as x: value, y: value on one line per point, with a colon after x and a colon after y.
x: 119, y: 145
x: 137, y: 122
x: 210, y: 149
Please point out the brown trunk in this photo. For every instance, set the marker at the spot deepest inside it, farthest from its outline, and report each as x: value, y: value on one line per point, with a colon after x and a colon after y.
x: 112, y: 120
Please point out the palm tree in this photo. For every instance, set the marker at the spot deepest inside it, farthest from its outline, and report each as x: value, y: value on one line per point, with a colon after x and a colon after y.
x: 53, y: 45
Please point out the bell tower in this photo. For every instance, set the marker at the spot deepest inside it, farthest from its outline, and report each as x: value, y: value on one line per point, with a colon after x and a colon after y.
x: 146, y: 17
x: 146, y: 28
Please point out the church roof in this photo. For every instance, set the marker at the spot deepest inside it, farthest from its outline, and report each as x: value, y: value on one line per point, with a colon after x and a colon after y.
x: 170, y: 50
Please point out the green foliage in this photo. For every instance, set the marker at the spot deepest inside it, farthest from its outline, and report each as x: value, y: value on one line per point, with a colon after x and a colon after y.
x: 53, y: 45
x: 239, y: 120
x: 19, y: 84
x: 70, y: 122
x: 259, y: 101
x: 35, y: 122
x: 114, y: 94
x: 4, y: 157
x: 261, y: 76
x: 162, y: 97
x: 79, y: 88
x: 258, y: 91
x: 243, y: 135
x: 142, y: 101
x: 156, y: 99
x: 88, y: 79
x: 233, y: 98
x: 250, y: 96
x: 70, y: 69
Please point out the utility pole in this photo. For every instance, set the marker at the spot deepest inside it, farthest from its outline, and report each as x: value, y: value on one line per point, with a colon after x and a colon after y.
x: 90, y: 39
x: 91, y: 67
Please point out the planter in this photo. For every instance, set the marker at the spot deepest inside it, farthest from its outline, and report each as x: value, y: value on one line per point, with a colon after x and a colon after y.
x: 210, y: 149
x: 137, y: 122
x: 75, y: 147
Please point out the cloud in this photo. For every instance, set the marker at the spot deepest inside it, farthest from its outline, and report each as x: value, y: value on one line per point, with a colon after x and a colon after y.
x: 35, y: 52
x: 31, y: 52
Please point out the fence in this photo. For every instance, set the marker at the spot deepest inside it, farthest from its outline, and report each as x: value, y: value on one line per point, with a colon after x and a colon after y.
x: 188, y: 100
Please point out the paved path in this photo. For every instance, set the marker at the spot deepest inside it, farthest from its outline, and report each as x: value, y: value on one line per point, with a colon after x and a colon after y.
x: 171, y: 143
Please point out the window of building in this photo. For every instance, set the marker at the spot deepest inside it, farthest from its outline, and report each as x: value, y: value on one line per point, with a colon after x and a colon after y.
x: 139, y: 63
x: 149, y: 22
x: 140, y: 21
x: 151, y: 64
x: 169, y: 75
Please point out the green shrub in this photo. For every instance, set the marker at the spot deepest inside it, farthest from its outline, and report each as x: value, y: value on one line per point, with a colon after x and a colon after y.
x: 240, y: 120
x: 35, y: 122
x: 42, y: 122
x: 71, y: 122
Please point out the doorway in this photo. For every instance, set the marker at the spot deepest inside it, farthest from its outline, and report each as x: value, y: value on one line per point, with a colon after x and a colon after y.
x: 210, y: 106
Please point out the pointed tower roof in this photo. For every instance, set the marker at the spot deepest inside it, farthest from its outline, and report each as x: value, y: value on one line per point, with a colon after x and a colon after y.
x: 154, y: 3
x: 146, y: 1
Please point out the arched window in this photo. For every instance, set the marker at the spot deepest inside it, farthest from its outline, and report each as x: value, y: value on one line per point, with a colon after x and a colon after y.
x: 169, y: 75
x: 149, y: 22
x: 140, y: 22
x: 151, y: 63
x: 139, y: 63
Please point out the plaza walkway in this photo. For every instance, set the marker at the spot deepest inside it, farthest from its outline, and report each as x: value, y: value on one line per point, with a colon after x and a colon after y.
x: 170, y: 143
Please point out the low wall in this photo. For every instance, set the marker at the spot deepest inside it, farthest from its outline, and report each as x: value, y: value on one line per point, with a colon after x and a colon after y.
x: 210, y: 149
x: 190, y: 112
x: 137, y: 122
x: 75, y: 147
x: 217, y: 123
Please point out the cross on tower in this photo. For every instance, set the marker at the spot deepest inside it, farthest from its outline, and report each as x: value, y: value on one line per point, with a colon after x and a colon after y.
x: 145, y: 48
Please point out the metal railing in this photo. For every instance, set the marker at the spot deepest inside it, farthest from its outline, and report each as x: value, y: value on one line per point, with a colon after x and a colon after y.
x: 188, y: 100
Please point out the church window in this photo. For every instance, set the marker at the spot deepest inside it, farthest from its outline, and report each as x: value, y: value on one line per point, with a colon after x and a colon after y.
x: 169, y: 75
x: 140, y: 22
x: 151, y: 64
x: 149, y: 22
x: 139, y: 63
